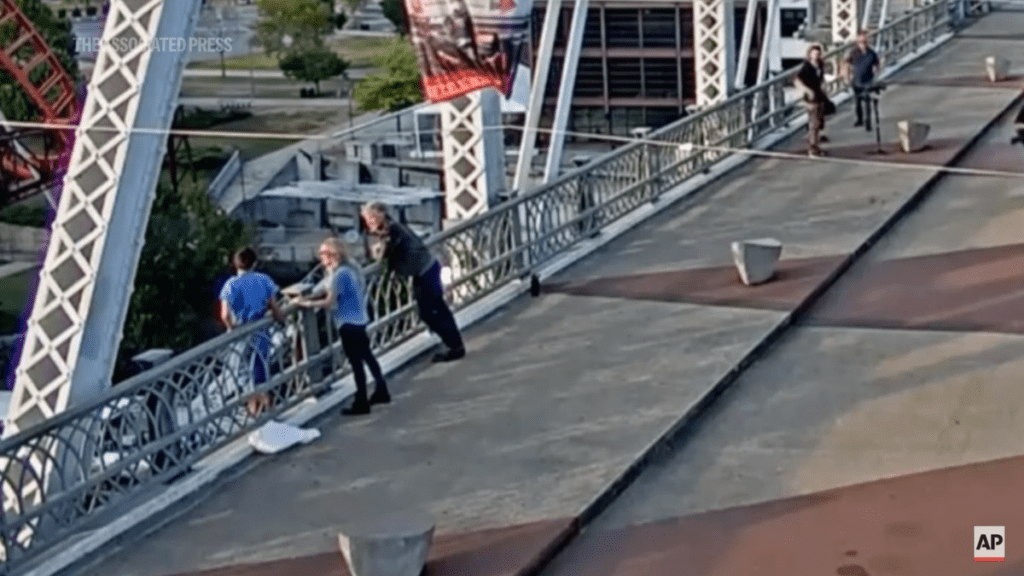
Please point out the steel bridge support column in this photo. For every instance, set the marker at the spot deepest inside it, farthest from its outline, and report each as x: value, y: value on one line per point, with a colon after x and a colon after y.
x: 771, y: 56
x: 844, y: 21
x: 474, y: 162
x: 474, y: 175
x: 565, y: 90
x: 540, y: 68
x: 85, y: 285
x: 747, y: 39
x: 714, y: 61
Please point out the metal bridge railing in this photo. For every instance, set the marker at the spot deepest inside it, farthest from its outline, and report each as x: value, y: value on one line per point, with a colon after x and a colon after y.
x: 80, y: 469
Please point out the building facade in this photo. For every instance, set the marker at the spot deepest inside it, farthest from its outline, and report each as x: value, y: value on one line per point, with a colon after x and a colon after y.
x: 636, y: 63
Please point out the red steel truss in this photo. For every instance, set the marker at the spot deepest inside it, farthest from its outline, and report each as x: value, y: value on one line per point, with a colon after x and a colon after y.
x: 25, y: 55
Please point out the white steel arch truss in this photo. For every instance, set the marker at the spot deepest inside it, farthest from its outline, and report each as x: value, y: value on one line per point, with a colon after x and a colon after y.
x: 713, y: 49
x: 473, y: 154
x: 74, y: 329
x: 844, y: 21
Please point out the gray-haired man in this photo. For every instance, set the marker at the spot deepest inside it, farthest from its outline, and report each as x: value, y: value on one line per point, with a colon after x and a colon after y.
x: 406, y: 255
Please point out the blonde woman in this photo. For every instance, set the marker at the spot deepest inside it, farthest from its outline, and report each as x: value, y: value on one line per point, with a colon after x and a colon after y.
x: 346, y: 295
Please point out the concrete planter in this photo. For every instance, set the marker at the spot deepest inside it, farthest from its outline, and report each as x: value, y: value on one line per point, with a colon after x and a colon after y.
x: 913, y: 135
x: 756, y: 259
x: 996, y: 68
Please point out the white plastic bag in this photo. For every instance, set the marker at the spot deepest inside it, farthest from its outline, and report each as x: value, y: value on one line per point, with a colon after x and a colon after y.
x: 275, y: 437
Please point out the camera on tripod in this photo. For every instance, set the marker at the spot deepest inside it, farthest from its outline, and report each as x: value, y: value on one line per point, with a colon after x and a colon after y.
x: 877, y: 88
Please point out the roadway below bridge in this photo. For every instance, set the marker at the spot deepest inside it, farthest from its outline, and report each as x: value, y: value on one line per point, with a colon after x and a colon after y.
x: 903, y: 375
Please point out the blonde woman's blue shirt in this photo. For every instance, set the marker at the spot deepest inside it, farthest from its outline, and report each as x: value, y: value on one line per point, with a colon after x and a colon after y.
x: 350, y: 298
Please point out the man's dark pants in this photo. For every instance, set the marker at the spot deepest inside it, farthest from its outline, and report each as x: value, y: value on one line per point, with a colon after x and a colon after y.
x: 434, y: 310
x: 862, y: 99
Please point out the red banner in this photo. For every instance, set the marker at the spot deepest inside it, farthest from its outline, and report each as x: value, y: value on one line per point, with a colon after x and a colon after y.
x: 467, y: 45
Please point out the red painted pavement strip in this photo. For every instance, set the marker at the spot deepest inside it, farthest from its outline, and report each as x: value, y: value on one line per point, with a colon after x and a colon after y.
x: 936, y: 152
x: 1011, y: 82
x: 1003, y: 157
x: 495, y: 552
x: 968, y: 290
x: 916, y: 525
x: 718, y: 286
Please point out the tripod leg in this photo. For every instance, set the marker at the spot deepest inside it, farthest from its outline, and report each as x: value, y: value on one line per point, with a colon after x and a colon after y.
x: 878, y: 126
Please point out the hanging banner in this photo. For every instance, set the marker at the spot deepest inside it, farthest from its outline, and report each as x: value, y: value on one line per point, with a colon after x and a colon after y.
x: 468, y: 45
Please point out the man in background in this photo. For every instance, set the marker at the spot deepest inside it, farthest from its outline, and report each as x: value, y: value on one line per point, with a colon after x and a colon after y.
x: 861, y: 66
x: 810, y: 79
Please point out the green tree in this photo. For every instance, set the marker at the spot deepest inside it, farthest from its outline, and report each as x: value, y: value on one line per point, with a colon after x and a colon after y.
x: 397, y: 85
x: 394, y: 10
x: 188, y: 243
x: 14, y: 103
x: 289, y: 27
x: 313, y: 66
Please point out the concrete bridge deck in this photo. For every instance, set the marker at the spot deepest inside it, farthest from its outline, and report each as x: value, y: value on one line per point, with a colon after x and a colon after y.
x: 910, y: 363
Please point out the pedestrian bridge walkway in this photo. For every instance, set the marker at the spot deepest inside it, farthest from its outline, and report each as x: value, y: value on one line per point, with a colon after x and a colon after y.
x: 640, y: 325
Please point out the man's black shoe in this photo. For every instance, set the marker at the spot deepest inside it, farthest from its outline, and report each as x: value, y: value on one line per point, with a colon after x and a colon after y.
x: 858, y: 123
x: 449, y: 356
x: 357, y: 409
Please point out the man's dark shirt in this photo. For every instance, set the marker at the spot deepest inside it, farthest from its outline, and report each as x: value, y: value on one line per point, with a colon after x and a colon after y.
x: 812, y: 76
x: 405, y: 253
x: 862, y: 63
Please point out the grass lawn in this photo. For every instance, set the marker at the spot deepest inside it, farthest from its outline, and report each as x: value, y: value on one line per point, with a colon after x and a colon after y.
x: 359, y: 51
x: 255, y: 61
x: 310, y: 121
x: 14, y: 294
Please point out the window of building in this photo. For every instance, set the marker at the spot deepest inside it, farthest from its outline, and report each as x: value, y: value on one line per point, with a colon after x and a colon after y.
x: 740, y: 15
x: 622, y: 27
x: 790, y: 21
x: 554, y: 78
x: 658, y: 117
x: 592, y: 29
x: 789, y: 63
x: 589, y: 120
x: 589, y: 78
x: 686, y: 27
x: 661, y: 76
x: 689, y: 81
x: 624, y: 78
x: 659, y: 28
x: 625, y: 119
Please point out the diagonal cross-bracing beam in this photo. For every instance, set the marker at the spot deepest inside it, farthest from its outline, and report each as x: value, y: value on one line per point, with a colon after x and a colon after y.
x: 84, y: 287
